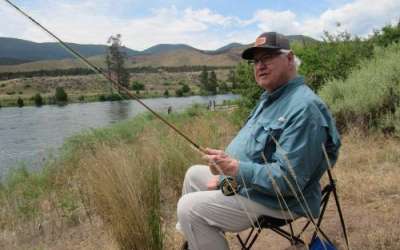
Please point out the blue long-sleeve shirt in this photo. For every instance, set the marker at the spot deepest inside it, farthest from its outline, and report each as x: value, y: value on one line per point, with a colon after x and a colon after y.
x: 297, y: 119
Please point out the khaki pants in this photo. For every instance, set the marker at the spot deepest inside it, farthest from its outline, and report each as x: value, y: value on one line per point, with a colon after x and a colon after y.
x: 204, y: 216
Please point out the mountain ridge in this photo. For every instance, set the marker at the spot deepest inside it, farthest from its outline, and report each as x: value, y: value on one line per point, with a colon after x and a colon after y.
x: 22, y: 55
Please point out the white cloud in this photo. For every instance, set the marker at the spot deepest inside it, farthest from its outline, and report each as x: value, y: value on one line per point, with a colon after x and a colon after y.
x: 88, y: 21
x: 359, y: 17
x: 282, y: 21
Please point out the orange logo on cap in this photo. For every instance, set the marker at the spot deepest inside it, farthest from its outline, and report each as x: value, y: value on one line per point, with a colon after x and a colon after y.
x: 260, y: 41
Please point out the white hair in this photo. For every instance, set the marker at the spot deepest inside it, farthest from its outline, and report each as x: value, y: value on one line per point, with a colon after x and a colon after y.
x: 297, y: 61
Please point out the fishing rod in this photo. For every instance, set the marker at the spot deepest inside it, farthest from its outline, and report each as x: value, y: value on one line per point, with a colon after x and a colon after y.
x: 105, y: 75
x: 229, y: 187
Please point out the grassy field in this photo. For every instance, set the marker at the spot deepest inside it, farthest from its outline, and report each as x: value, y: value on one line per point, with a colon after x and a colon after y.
x: 89, y: 88
x: 117, y: 188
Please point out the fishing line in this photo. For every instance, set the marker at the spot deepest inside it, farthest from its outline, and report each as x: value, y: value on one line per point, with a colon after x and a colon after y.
x: 101, y: 72
x: 133, y: 96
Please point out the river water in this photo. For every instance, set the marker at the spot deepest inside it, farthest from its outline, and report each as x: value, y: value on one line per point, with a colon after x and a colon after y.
x: 29, y: 135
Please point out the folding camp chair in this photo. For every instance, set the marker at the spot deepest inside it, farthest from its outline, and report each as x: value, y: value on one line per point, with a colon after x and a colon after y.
x: 266, y: 222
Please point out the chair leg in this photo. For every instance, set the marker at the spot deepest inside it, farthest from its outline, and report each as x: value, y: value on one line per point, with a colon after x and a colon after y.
x: 250, y: 239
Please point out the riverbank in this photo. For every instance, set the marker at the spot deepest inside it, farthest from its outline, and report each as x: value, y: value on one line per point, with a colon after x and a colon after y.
x: 48, y: 99
x: 89, y: 88
x: 117, y: 187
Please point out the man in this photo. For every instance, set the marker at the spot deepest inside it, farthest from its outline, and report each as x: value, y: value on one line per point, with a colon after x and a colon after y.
x: 282, y: 142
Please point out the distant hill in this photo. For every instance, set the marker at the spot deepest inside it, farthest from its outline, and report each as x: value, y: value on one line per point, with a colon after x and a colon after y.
x: 15, y: 51
x: 21, y: 55
x: 228, y: 47
x: 302, y: 39
x: 163, y: 48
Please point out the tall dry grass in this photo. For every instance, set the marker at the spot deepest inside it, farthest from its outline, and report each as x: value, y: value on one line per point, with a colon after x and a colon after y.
x: 134, y: 186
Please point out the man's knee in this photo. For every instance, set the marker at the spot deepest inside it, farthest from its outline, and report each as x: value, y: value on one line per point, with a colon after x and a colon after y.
x: 195, y: 173
x: 184, y: 209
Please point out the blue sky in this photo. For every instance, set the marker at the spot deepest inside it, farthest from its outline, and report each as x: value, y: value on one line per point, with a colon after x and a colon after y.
x: 204, y: 24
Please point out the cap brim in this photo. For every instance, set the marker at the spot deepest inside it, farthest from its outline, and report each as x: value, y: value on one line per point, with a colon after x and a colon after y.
x: 248, y: 54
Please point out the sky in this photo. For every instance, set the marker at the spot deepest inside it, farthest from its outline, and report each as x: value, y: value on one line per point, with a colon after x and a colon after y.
x: 203, y: 24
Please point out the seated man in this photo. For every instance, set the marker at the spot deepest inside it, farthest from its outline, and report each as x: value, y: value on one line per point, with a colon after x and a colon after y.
x: 282, y: 142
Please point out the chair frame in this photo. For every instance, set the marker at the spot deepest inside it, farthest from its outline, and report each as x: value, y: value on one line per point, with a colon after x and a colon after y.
x: 266, y: 222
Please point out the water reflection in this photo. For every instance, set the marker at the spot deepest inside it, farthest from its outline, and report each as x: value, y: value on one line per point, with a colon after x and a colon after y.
x: 119, y: 110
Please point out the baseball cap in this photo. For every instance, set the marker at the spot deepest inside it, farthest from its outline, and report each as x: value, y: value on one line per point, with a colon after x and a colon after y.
x: 269, y: 41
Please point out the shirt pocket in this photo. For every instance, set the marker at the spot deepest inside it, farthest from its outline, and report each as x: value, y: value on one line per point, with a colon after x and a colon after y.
x: 262, y: 140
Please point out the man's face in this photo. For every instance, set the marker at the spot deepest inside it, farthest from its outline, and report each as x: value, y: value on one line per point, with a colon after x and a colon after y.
x: 272, y: 70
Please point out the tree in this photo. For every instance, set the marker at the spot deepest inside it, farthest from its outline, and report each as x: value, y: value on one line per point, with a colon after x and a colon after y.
x: 204, y: 78
x: 232, y: 79
x: 60, y: 95
x: 212, y: 82
x: 115, y: 60
x: 223, y: 87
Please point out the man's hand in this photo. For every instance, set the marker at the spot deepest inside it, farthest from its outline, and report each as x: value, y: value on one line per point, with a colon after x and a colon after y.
x: 219, y: 161
x: 213, y: 183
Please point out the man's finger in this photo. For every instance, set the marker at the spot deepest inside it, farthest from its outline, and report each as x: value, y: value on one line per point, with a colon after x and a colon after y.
x: 211, y: 151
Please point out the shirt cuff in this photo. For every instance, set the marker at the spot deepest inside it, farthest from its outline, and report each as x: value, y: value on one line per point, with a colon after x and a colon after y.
x: 245, y: 172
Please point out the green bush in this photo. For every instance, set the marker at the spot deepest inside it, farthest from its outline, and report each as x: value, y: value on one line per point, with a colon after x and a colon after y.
x: 332, y: 59
x: 185, y: 88
x: 60, y: 95
x: 102, y: 98
x: 179, y: 92
x: 20, y: 102
x: 166, y: 93
x: 137, y: 86
x: 38, y: 100
x: 370, y: 97
x: 388, y: 35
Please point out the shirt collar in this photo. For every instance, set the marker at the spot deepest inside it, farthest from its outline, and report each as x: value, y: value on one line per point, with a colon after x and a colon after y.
x: 298, y: 80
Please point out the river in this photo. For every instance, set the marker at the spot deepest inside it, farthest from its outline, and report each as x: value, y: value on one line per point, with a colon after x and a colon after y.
x: 30, y: 135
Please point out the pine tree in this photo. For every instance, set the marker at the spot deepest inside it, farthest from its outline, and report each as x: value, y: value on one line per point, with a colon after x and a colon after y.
x: 115, y: 60
x: 213, y: 82
x: 204, y: 78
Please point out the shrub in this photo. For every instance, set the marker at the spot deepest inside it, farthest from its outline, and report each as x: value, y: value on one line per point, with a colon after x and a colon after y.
x: 179, y: 92
x: 388, y: 35
x: 332, y: 59
x: 20, y: 102
x: 38, y: 100
x: 61, y: 95
x: 102, y: 98
x: 166, y: 93
x: 185, y: 88
x: 370, y: 97
x: 137, y: 86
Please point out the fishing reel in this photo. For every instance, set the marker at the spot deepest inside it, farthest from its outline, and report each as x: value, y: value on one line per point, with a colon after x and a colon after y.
x: 229, y: 186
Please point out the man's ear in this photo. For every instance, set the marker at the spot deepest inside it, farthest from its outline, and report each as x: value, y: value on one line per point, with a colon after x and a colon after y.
x: 290, y: 57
